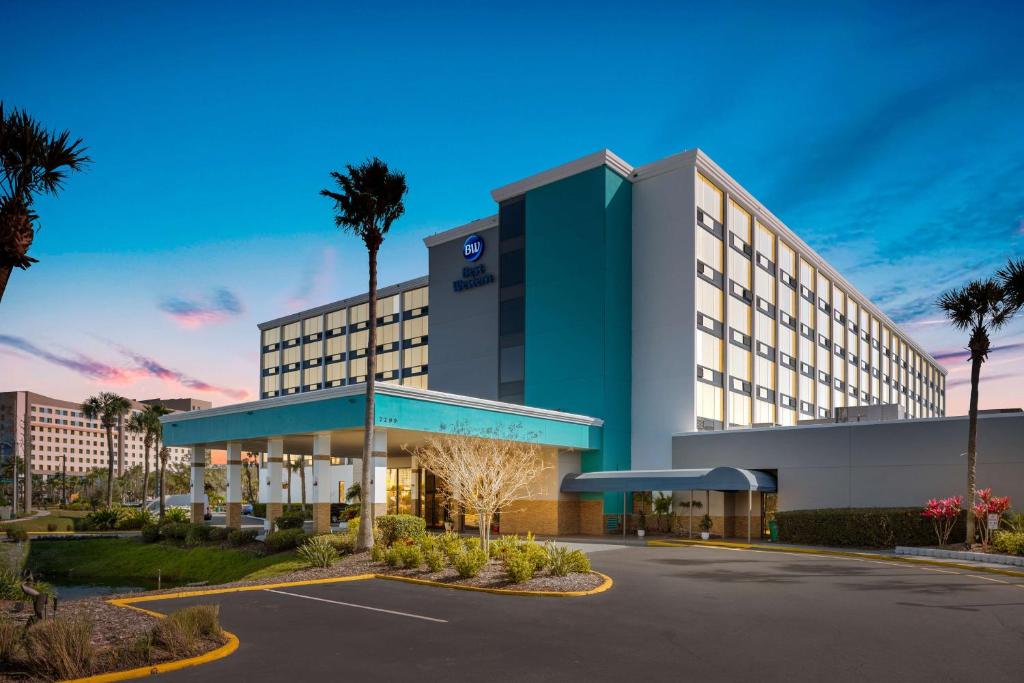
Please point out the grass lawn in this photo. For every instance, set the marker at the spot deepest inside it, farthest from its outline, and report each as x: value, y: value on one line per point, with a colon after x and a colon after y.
x: 120, y: 561
x: 64, y: 519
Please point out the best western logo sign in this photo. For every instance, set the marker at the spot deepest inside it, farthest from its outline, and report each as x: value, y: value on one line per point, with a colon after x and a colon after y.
x: 473, y: 247
x: 473, y: 276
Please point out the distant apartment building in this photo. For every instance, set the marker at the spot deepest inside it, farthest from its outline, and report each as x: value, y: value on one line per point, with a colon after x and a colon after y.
x: 50, y: 429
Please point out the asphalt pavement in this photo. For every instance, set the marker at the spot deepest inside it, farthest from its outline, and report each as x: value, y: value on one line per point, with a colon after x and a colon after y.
x: 691, y: 613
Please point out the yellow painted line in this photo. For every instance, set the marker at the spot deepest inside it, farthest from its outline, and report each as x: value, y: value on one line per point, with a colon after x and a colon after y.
x: 125, y: 602
x: 877, y: 557
x: 606, y: 583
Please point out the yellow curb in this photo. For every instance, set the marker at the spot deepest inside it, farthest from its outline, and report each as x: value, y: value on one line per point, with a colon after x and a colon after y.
x: 834, y: 553
x: 127, y: 602
x: 213, y: 655
x: 606, y: 583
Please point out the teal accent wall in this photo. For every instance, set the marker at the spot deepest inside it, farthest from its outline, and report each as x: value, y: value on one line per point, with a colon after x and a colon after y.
x: 396, y: 412
x: 578, y: 307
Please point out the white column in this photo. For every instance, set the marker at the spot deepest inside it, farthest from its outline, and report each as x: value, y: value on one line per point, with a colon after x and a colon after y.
x: 198, y: 474
x: 234, y: 493
x: 379, y: 482
x: 275, y: 456
x: 322, y: 468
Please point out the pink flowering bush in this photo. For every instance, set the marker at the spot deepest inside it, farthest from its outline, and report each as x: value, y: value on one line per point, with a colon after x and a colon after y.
x: 943, y: 515
x: 988, y: 505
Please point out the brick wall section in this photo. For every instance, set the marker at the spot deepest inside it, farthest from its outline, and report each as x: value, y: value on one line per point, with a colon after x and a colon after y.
x: 321, y: 517
x: 234, y: 516
x: 591, y: 516
x: 273, y: 512
x: 197, y: 512
x: 538, y: 516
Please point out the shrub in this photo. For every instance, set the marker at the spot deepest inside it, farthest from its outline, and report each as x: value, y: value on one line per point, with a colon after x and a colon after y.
x: 136, y: 519
x: 518, y: 566
x: 469, y: 562
x: 150, y: 533
x: 504, y: 544
x: 342, y: 543
x: 410, y: 556
x: 174, y: 530
x: 471, y: 543
x: 558, y: 559
x: 293, y: 519
x: 318, y: 551
x: 51, y: 527
x: 378, y: 552
x: 133, y: 654
x: 10, y: 640
x: 242, y: 536
x: 286, y: 539
x: 859, y: 527
x: 201, y: 620
x: 943, y: 513
x: 60, y: 648
x: 535, y: 553
x: 395, y: 527
x: 259, y: 510
x: 177, y: 515
x: 10, y: 585
x: 1009, y: 542
x: 579, y: 563
x: 197, y: 534
x: 17, y: 534
x: 219, y: 533
x: 450, y: 544
x: 434, y: 558
x: 103, y: 520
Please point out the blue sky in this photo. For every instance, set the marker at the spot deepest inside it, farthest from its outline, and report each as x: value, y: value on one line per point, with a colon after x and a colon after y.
x: 890, y: 136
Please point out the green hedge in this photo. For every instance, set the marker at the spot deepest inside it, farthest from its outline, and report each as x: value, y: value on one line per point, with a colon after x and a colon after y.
x: 860, y: 527
x: 393, y: 527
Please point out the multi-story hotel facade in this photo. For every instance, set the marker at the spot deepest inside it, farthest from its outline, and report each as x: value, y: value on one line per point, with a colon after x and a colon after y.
x: 55, y: 433
x: 642, y: 303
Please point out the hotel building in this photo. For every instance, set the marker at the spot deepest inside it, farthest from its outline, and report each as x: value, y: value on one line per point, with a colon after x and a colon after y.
x: 50, y: 429
x: 641, y: 304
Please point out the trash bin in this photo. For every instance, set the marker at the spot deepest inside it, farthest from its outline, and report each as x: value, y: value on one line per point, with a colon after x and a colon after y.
x: 773, y: 530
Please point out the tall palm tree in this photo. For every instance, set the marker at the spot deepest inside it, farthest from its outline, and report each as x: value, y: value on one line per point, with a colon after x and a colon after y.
x: 32, y: 161
x: 370, y: 200
x: 980, y: 307
x: 147, y: 423
x: 163, y: 455
x: 109, y: 408
x: 1012, y: 279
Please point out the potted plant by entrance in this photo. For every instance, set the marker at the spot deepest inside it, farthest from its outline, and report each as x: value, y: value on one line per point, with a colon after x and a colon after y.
x: 641, y: 523
x: 705, y: 526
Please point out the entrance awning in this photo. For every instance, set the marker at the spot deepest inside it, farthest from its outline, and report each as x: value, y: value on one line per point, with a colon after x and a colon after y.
x: 714, y: 479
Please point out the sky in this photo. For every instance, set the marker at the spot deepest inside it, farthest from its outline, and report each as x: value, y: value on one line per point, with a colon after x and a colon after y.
x: 890, y: 136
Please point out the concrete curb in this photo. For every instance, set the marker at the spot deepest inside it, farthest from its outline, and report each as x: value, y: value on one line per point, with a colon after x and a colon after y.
x: 605, y: 585
x: 988, y: 558
x: 835, y: 553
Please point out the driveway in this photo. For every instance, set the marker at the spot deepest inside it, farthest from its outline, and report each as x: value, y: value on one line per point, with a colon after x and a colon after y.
x: 692, y: 613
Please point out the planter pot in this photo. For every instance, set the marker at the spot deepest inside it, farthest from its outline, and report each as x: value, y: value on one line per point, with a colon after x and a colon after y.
x: 447, y: 526
x: 705, y: 535
x: 640, y: 532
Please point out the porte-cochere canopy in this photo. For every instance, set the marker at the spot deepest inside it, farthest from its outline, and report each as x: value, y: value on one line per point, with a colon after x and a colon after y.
x: 714, y: 479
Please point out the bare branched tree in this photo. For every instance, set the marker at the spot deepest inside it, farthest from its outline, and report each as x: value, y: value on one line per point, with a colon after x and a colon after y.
x: 485, y: 474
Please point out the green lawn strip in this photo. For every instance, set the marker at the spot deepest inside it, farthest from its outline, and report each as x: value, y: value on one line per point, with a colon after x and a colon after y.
x: 62, y: 521
x: 114, y: 560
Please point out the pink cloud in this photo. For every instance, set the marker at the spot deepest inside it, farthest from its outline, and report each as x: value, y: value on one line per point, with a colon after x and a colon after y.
x: 219, y: 306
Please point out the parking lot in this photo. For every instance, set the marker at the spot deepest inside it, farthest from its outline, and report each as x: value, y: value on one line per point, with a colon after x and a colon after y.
x: 695, y: 612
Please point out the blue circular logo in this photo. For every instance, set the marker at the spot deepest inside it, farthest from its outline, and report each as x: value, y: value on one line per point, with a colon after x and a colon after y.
x: 473, y: 247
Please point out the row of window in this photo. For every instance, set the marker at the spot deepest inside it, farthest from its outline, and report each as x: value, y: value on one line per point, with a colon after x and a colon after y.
x: 777, y: 339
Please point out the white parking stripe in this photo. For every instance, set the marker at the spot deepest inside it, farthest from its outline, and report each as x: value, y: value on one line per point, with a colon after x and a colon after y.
x: 351, y: 604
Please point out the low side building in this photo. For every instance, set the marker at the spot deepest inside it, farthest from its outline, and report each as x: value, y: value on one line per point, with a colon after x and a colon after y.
x: 897, y: 463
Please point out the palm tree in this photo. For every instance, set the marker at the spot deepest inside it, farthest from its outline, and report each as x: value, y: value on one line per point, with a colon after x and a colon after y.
x: 1012, y: 278
x: 163, y: 455
x: 370, y: 200
x: 32, y: 161
x: 148, y: 424
x: 980, y: 307
x: 109, y: 408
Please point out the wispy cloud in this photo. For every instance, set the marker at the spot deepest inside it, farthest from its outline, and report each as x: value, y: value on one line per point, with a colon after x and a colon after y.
x: 315, y: 282
x: 142, y: 367
x: 154, y: 368
x: 77, y: 362
x: 220, y: 305
x: 963, y: 381
x: 964, y: 354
